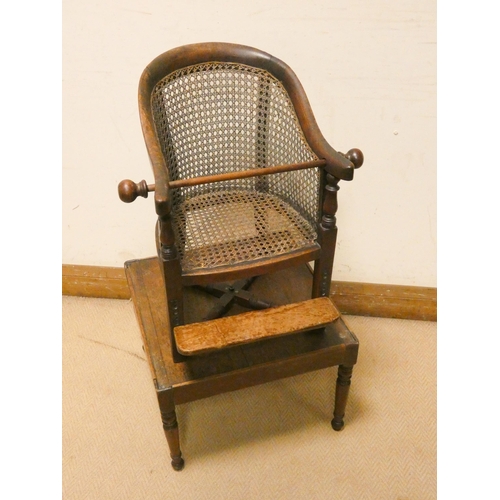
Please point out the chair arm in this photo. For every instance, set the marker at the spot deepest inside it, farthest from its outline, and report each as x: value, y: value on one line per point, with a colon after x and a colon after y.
x: 163, y: 202
x: 338, y: 164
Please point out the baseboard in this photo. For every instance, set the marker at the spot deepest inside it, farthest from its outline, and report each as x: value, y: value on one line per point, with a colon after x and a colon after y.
x: 95, y: 281
x: 386, y: 301
x: 362, y: 299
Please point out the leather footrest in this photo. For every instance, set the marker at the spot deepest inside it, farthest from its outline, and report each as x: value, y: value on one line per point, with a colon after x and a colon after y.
x: 209, y: 336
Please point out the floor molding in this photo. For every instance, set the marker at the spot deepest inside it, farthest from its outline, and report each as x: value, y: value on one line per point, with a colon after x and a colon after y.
x: 362, y: 299
x: 95, y: 281
x: 386, y: 301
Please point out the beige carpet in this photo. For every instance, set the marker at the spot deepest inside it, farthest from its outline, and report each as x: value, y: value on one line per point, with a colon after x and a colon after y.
x: 273, y: 441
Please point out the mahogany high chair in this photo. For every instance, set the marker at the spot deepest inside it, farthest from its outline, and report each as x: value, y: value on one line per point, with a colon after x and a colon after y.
x: 245, y: 187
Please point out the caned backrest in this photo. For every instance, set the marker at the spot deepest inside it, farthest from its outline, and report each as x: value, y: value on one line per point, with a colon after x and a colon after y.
x: 213, y: 116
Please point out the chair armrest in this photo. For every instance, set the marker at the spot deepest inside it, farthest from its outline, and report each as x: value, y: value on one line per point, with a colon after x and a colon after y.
x: 340, y: 164
x: 336, y: 163
x: 163, y: 201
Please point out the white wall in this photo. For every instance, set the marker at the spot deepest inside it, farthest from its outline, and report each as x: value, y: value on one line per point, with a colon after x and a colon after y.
x: 369, y: 69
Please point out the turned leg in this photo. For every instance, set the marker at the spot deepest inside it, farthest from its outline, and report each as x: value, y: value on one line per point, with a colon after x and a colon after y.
x: 341, y: 394
x: 170, y: 426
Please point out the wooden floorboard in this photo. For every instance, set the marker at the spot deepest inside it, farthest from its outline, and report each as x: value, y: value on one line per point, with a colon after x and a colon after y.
x: 362, y: 299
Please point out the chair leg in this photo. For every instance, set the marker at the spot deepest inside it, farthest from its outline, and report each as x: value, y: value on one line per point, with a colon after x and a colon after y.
x: 171, y: 427
x: 341, y: 394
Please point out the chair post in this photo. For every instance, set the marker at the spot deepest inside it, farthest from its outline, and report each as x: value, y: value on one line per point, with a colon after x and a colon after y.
x: 327, y: 237
x: 172, y: 276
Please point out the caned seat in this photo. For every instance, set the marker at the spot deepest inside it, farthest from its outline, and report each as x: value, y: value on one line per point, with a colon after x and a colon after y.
x: 235, y: 227
x: 245, y: 187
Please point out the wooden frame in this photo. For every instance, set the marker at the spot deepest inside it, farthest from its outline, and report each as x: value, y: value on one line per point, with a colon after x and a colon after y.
x: 161, y: 315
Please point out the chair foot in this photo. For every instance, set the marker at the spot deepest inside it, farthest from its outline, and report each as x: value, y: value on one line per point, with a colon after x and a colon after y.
x: 337, y: 425
x: 177, y: 463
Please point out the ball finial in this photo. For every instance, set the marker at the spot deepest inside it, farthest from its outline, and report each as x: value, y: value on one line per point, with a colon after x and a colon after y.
x: 127, y: 191
x: 355, y: 156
